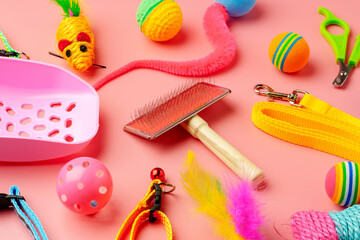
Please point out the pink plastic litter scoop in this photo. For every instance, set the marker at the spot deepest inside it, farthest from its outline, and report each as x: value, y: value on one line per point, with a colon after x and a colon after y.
x: 46, y: 112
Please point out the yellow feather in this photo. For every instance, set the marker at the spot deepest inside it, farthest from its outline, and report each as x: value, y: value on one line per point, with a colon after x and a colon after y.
x: 206, y: 190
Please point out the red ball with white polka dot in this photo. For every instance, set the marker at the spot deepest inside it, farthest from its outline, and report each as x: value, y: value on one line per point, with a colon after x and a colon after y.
x: 84, y: 185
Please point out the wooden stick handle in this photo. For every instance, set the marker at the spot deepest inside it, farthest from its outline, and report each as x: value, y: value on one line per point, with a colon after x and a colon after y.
x: 245, y: 169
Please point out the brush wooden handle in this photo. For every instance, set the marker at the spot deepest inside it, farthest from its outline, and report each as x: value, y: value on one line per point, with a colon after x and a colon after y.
x: 237, y: 162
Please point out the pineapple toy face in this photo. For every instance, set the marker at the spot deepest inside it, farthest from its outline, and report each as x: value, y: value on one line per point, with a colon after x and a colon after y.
x: 79, y: 53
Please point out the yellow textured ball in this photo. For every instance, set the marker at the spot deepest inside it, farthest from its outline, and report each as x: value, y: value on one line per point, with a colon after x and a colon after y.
x: 159, y: 20
x: 289, y: 52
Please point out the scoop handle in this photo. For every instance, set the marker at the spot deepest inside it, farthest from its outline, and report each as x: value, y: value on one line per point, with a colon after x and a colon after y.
x: 237, y: 162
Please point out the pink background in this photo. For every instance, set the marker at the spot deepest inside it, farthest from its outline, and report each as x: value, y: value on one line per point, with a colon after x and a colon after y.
x: 295, y: 174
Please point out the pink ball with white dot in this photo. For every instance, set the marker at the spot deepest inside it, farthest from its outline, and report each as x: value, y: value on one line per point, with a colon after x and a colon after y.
x: 84, y: 185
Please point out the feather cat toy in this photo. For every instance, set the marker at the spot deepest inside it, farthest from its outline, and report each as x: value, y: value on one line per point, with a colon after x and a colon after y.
x: 75, y: 40
x: 236, y: 215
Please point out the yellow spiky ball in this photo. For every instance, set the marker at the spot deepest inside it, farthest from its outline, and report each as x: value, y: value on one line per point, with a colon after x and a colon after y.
x: 159, y: 20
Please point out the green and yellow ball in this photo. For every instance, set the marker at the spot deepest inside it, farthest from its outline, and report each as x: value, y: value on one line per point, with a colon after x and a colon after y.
x: 159, y: 20
x: 289, y: 52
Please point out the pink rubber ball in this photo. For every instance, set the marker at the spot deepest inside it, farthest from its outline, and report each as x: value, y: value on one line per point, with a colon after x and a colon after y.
x: 84, y: 185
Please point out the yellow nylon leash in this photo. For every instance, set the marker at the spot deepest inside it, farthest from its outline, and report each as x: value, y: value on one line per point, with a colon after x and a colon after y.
x: 311, y: 123
x: 143, y: 213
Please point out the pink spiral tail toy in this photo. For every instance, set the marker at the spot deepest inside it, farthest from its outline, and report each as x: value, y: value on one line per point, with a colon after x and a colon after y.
x: 344, y: 225
x: 219, y: 34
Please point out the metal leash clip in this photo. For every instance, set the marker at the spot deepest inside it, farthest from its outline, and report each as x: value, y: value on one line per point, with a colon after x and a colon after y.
x: 293, y: 97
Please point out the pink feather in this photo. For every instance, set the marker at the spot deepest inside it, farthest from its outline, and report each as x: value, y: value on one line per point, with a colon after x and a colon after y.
x: 245, y: 210
x: 219, y: 34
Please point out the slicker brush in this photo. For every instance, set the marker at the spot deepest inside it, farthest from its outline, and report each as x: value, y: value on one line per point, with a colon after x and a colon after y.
x: 75, y: 40
x: 181, y: 107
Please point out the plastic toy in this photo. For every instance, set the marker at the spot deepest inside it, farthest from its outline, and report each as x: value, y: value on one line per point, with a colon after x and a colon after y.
x: 289, y: 52
x: 75, y: 40
x: 339, y: 45
x: 159, y: 20
x: 342, y: 184
x: 237, y: 8
x: 46, y: 111
x: 84, y: 185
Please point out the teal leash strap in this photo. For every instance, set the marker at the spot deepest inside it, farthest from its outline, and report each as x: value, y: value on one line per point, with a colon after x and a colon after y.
x: 27, y: 216
x: 8, y: 47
